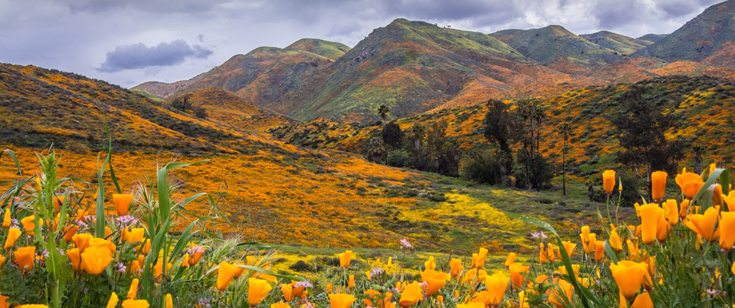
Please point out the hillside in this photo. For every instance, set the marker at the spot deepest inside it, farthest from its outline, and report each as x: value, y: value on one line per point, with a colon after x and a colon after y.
x: 40, y: 107
x: 704, y: 105
x: 414, y: 67
x: 227, y: 108
x: 410, y: 66
x: 163, y: 89
x: 269, y: 191
x: 653, y: 38
x: 699, y: 38
x: 622, y: 44
x: 263, y: 75
x: 549, y: 44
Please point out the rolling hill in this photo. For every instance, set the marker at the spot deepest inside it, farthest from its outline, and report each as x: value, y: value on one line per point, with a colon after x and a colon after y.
x: 620, y: 43
x: 229, y: 109
x: 269, y: 191
x: 549, y: 44
x: 414, y: 67
x: 703, y: 104
x: 699, y: 38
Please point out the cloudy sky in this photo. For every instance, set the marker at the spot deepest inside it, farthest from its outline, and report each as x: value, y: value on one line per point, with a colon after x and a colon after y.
x: 128, y: 42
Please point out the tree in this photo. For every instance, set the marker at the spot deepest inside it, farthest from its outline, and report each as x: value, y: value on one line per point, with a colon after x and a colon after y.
x: 383, y: 111
x: 498, y: 122
x: 565, y: 130
x: 698, y: 152
x: 641, y: 130
x: 499, y: 125
x: 376, y: 150
x: 392, y: 134
x: 182, y: 103
x: 200, y: 112
x: 529, y: 117
x: 417, y: 135
x: 435, y: 139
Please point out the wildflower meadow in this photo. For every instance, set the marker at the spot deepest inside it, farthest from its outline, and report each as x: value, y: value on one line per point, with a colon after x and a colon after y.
x: 64, y: 246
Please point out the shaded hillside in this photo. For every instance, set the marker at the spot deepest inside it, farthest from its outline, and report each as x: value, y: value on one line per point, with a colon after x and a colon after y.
x: 704, y: 105
x: 40, y: 107
x: 653, y: 38
x: 551, y: 43
x: 622, y: 44
x: 163, y: 89
x: 266, y: 73
x: 230, y: 109
x: 698, y: 38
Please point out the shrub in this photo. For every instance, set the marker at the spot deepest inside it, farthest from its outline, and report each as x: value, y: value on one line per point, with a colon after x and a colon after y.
x: 482, y: 168
x: 200, y: 112
x: 397, y: 158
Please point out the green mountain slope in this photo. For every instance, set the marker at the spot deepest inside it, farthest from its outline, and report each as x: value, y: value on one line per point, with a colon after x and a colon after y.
x: 622, y: 44
x: 653, y: 38
x: 698, y: 38
x: 552, y: 43
x: 411, y: 67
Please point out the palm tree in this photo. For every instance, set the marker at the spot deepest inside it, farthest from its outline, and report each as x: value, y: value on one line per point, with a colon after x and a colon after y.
x: 698, y: 151
x: 566, y: 130
x: 383, y: 111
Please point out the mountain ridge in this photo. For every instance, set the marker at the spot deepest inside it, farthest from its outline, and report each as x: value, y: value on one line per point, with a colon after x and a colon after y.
x: 414, y: 67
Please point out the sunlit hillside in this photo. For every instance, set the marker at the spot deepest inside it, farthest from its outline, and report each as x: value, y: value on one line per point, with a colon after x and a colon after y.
x: 703, y: 104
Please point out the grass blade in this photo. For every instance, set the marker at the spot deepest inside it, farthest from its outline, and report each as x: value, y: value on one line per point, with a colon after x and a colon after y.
x: 12, y: 155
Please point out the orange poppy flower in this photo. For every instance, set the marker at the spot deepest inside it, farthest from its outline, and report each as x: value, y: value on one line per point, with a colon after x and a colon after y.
x: 122, y: 203
x: 24, y: 256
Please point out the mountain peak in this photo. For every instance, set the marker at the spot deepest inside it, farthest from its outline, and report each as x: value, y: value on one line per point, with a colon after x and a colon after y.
x: 331, y: 50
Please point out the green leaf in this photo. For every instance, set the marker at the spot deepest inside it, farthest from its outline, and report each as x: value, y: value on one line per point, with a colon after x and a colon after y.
x: 255, y: 244
x: 710, y: 180
x: 192, y: 198
x: 100, y: 213
x: 583, y: 292
x: 12, y: 154
x: 184, y: 239
x: 725, y: 182
x: 164, y: 204
x: 109, y: 158
x: 611, y: 253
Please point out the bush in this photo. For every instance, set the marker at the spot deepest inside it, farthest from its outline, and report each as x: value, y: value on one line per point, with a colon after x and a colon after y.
x: 392, y: 134
x: 397, y: 158
x: 483, y: 168
x: 539, y: 174
x: 200, y: 112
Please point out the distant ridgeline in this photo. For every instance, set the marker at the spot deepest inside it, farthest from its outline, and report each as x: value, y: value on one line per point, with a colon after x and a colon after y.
x: 413, y: 67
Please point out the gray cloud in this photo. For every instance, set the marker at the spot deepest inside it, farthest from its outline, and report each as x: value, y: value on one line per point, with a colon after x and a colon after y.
x: 611, y: 15
x: 678, y: 8
x: 482, y: 12
x: 140, y: 56
x: 86, y: 36
x: 153, y: 6
x: 343, y: 29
